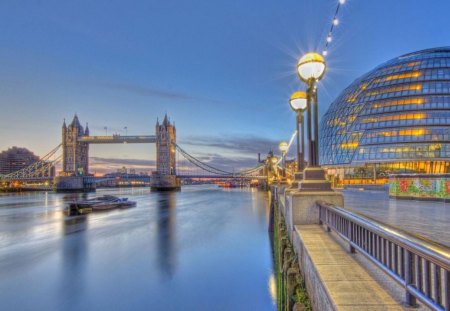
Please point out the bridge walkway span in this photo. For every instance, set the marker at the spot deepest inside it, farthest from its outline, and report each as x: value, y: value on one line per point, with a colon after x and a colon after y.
x: 118, y: 139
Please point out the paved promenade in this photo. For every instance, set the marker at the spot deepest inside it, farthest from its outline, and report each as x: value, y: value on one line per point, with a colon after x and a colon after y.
x: 424, y: 218
x: 339, y: 281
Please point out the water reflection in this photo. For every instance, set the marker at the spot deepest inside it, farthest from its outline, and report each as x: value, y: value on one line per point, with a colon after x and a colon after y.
x: 73, y: 259
x: 206, y: 247
x: 75, y: 224
x: 166, y: 233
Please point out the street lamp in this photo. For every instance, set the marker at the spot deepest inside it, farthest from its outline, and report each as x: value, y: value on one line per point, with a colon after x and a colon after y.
x: 298, y: 103
x: 311, y: 68
x: 283, y: 147
x: 273, y: 162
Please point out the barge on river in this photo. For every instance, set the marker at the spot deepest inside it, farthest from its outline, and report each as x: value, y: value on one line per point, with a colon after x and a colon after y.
x: 102, y: 203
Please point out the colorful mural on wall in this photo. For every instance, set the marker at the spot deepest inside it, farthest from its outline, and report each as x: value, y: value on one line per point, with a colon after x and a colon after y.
x: 420, y: 186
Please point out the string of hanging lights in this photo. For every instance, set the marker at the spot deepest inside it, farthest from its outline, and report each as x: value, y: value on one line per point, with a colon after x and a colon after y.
x: 334, y: 23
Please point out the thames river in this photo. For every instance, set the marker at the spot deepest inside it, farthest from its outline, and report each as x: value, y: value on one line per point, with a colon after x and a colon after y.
x: 203, y: 248
x: 427, y: 219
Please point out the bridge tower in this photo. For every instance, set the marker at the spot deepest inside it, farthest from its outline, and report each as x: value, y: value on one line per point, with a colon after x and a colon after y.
x: 164, y: 178
x: 75, y: 160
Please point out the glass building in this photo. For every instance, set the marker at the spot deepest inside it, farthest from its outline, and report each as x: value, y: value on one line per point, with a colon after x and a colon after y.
x: 394, y: 119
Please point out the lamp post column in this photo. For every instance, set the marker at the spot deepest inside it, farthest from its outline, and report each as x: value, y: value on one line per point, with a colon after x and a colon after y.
x: 298, y: 141
x: 301, y: 154
x: 313, y: 90
x: 309, y: 127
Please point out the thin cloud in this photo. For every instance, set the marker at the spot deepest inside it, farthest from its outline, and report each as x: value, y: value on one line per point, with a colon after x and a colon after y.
x: 153, y: 92
x: 145, y: 91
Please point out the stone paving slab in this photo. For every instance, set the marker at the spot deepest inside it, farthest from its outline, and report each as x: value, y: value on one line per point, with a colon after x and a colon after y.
x: 336, y: 273
x: 347, y: 284
x: 327, y: 257
x: 355, y: 292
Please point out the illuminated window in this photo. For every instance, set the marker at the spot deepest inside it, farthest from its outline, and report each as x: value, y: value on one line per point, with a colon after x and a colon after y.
x: 407, y: 101
x: 405, y: 75
x: 349, y: 145
x: 409, y: 116
x: 408, y: 87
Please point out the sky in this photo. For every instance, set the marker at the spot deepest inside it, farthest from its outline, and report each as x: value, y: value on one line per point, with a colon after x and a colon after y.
x: 223, y: 71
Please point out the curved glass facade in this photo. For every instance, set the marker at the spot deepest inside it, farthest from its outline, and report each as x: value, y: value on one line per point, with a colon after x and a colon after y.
x: 396, y: 115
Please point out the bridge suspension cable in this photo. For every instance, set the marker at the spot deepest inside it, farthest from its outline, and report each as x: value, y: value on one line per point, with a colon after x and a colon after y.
x: 212, y: 169
x: 200, y: 164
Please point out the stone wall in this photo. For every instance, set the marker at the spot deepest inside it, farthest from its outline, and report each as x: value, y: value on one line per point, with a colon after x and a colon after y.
x: 291, y: 290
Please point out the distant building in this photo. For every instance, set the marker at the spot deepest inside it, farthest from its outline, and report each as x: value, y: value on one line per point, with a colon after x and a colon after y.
x: 15, y: 159
x: 123, y: 170
x: 394, y: 119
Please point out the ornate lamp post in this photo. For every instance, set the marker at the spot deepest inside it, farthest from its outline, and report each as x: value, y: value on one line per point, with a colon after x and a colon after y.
x: 273, y: 163
x: 283, y: 147
x: 311, y: 68
x: 298, y: 103
x: 313, y: 187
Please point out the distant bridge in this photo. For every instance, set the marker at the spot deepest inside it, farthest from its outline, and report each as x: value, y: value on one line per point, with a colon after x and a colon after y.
x: 75, y: 157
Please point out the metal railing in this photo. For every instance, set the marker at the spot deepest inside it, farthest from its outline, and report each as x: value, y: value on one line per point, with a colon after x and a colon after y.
x: 420, y: 266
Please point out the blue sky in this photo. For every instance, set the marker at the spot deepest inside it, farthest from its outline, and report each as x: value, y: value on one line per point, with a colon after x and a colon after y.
x: 222, y: 70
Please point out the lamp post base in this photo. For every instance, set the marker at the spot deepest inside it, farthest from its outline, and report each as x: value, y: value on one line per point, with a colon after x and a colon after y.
x: 314, y: 180
x: 298, y: 177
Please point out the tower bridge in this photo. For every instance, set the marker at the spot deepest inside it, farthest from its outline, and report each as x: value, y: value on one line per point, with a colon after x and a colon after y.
x: 75, y: 142
x: 75, y: 160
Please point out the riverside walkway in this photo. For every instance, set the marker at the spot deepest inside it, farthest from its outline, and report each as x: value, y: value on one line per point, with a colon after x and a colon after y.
x: 338, y: 279
x: 350, y: 282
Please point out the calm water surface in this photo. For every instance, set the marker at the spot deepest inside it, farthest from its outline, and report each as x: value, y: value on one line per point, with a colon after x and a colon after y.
x: 428, y: 219
x: 200, y: 249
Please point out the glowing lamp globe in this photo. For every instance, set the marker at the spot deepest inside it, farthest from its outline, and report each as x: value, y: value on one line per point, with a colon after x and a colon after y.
x: 298, y: 101
x: 283, y: 146
x: 311, y: 67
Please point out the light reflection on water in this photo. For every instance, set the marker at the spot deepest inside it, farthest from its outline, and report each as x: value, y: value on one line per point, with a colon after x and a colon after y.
x: 199, y: 249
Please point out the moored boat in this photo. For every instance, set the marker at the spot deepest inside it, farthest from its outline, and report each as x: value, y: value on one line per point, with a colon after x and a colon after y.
x: 102, y: 203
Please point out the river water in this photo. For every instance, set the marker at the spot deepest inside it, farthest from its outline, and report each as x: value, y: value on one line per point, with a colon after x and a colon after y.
x: 427, y: 219
x: 203, y: 248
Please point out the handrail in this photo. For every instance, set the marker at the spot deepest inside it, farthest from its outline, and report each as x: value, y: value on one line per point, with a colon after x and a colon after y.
x: 421, y: 266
